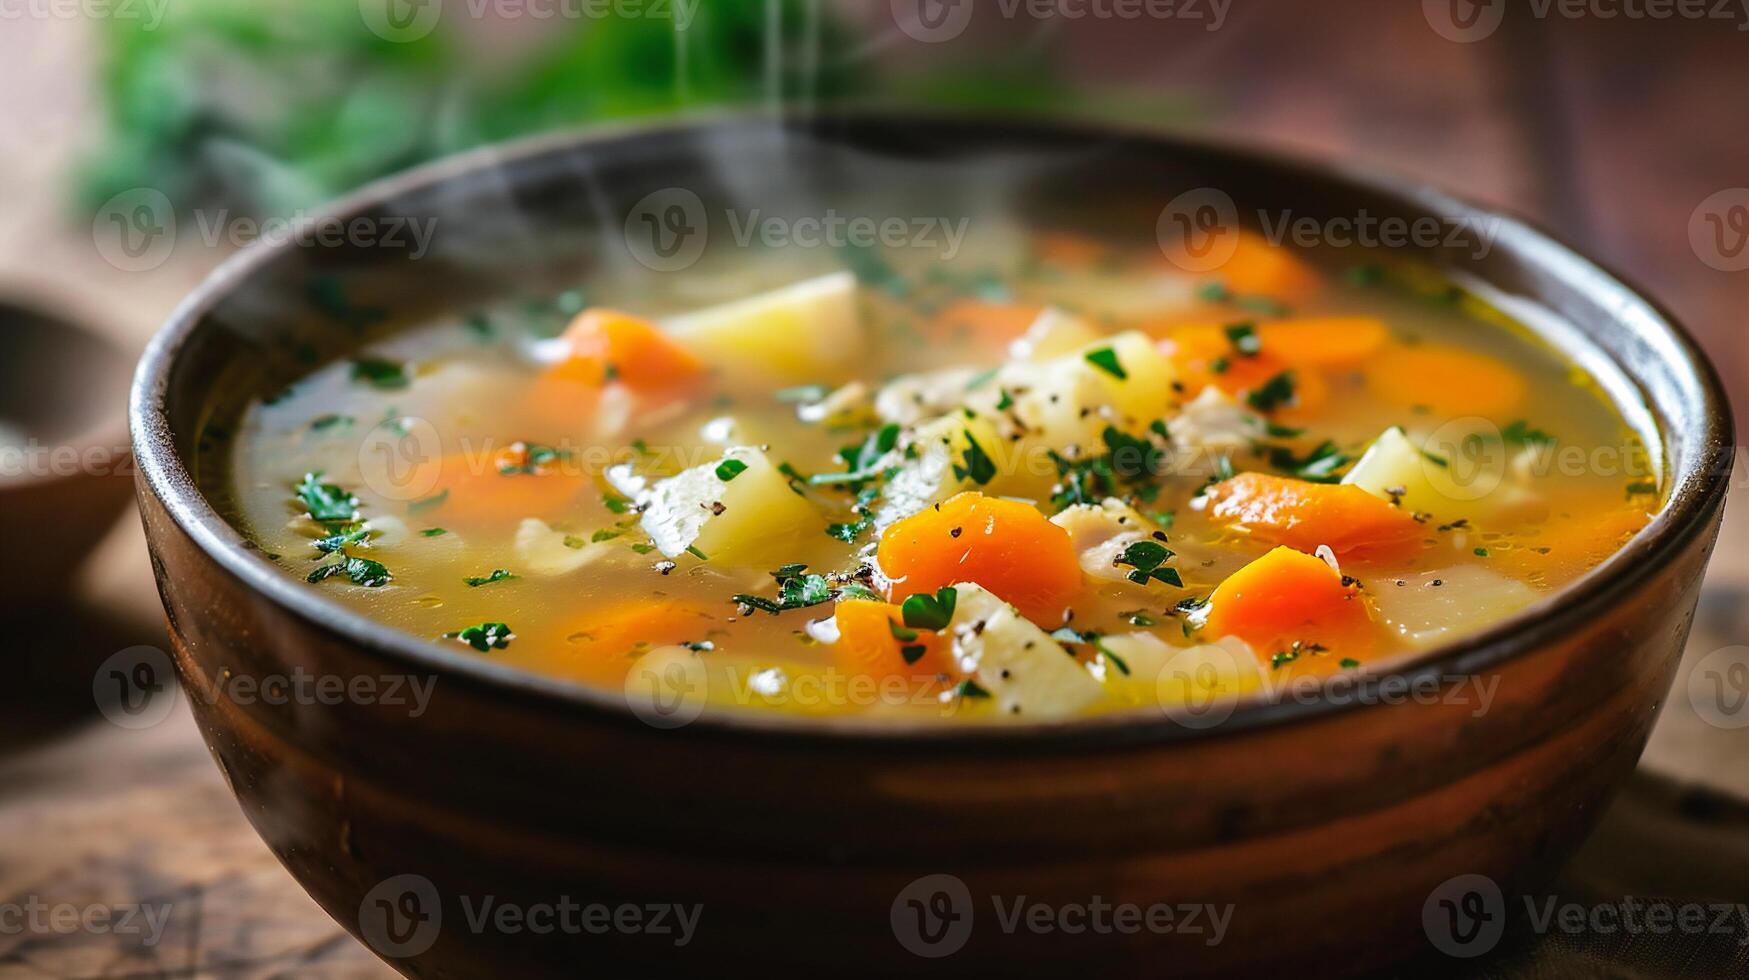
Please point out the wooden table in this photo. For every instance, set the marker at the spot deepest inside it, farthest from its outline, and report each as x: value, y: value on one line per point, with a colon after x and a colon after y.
x: 1610, y: 132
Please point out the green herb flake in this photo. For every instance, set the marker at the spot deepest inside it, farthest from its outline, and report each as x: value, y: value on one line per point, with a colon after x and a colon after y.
x: 978, y: 466
x: 1148, y: 559
x: 433, y: 532
x: 929, y: 612
x: 969, y: 688
x: 728, y: 469
x: 380, y: 373
x: 362, y: 571
x: 1105, y: 359
x: 1244, y: 338
x: 498, y: 575
x: 1274, y: 393
x: 484, y: 637
x: 325, y: 501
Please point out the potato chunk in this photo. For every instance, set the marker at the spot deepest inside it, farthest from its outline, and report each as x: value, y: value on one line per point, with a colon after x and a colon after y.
x: 805, y: 333
x: 739, y: 509
x: 1025, y: 671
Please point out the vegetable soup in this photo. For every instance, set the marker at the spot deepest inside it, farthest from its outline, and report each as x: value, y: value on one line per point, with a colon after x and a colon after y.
x: 1065, y: 479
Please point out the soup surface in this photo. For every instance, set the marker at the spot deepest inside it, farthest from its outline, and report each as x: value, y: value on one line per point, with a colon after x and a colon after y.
x: 1049, y: 478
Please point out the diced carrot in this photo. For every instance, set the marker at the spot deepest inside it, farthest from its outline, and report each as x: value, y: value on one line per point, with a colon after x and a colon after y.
x: 985, y: 322
x: 1449, y: 381
x: 1006, y: 546
x: 1287, y: 596
x: 607, y: 345
x: 1305, y: 515
x: 867, y: 645
x: 502, y: 487
x: 1257, y: 267
x: 1205, y: 356
x: 601, y: 644
x: 1337, y: 341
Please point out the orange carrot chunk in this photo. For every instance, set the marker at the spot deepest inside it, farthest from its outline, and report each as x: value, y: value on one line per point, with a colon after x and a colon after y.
x: 1287, y: 596
x: 1448, y: 380
x: 1305, y: 515
x: 1337, y: 341
x: 607, y: 345
x: 1257, y: 266
x: 1207, y: 355
x: 501, y: 487
x: 873, y: 641
x: 1005, y: 546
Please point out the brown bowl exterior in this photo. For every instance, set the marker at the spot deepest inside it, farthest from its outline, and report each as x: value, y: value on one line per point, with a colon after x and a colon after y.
x: 1324, y: 829
x: 1326, y: 836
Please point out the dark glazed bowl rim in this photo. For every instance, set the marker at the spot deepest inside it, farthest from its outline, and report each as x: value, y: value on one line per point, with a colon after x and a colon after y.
x: 1696, y: 494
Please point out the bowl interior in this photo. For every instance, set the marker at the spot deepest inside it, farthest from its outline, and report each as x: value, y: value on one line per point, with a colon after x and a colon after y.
x: 530, y: 219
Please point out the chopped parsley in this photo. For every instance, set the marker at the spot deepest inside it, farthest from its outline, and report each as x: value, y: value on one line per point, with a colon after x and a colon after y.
x: 1274, y: 393
x: 969, y: 688
x: 728, y: 469
x: 1105, y: 359
x: 433, y: 532
x: 362, y: 571
x: 1244, y: 338
x: 381, y: 373
x: 325, y: 501
x: 351, y: 534
x: 930, y: 612
x: 1148, y: 558
x: 484, y: 636
x: 616, y: 503
x: 1642, y: 489
x: 498, y: 575
x: 862, y: 459
x: 1520, y: 433
x: 326, y: 422
x: 796, y: 589
x: 978, y: 468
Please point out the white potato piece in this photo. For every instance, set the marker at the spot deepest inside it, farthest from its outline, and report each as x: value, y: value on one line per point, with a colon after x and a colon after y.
x: 806, y: 333
x: 1467, y: 598
x: 1194, y: 684
x: 926, y: 476
x: 1473, y: 479
x: 1101, y: 532
x: 543, y: 550
x: 748, y: 518
x: 1052, y: 335
x: 1026, y: 672
x: 911, y: 398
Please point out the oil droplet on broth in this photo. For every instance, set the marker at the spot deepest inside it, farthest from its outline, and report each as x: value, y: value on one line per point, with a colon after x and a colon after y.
x: 428, y: 601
